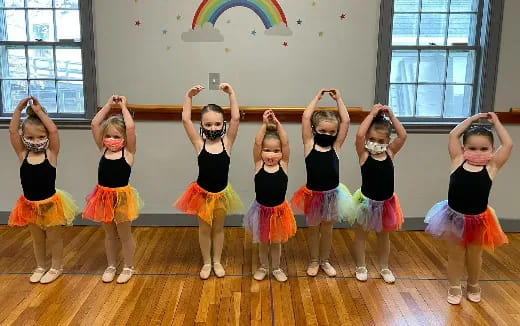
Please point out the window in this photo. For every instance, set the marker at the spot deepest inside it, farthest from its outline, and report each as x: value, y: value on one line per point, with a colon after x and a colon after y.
x: 43, y: 54
x: 433, y: 56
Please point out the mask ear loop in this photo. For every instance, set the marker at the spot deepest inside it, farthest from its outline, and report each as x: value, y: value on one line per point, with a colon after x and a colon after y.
x: 201, y: 132
x: 224, y: 129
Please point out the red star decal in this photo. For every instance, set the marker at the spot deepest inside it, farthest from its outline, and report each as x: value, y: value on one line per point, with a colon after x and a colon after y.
x: 285, y: 43
x: 137, y: 23
x: 342, y: 16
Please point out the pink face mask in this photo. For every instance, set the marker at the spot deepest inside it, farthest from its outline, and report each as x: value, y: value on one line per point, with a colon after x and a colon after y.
x: 478, y: 157
x: 113, y: 144
x: 270, y: 158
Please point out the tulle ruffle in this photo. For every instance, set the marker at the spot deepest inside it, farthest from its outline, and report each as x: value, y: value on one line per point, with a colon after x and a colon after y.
x: 374, y: 215
x: 270, y: 224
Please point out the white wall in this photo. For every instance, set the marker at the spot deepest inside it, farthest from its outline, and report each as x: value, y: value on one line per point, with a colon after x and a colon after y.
x: 128, y: 63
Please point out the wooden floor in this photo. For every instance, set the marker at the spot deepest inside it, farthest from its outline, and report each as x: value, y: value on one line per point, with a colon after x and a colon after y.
x: 168, y: 291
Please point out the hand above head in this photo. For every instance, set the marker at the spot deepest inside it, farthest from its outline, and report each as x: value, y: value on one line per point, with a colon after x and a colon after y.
x: 320, y: 93
x: 23, y: 103
x: 35, y: 104
x: 376, y: 108
x: 267, y: 116
x: 492, y: 118
x: 195, y: 90
x: 334, y: 93
x: 226, y: 88
x: 122, y: 101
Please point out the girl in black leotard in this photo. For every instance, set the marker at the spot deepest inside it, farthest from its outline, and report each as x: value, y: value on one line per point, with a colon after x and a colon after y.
x: 465, y: 219
x: 42, y: 207
x: 113, y: 201
x: 375, y: 206
x: 270, y: 218
x: 211, y: 197
x: 323, y: 199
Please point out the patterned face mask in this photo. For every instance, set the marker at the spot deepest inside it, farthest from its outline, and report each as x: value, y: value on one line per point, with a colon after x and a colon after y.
x: 213, y: 134
x: 36, y: 147
x: 375, y: 148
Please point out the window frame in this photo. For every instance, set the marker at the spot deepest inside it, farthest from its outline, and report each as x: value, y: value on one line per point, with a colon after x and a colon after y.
x: 489, y: 28
x: 86, y: 45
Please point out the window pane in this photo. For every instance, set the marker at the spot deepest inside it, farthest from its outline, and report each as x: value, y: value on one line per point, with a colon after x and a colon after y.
x: 39, y: 3
x: 67, y: 24
x: 429, y: 101
x: 66, y: 4
x: 458, y: 101
x: 406, y: 5
x: 45, y: 91
x: 462, y: 29
x: 41, y: 62
x: 13, y: 63
x: 432, y: 67
x: 461, y: 67
x: 434, y: 5
x: 13, y: 91
x: 404, y: 30
x: 12, y: 3
x: 70, y: 97
x: 464, y: 5
x: 433, y: 29
x: 41, y: 25
x: 68, y: 63
x: 404, y: 66
x: 402, y: 99
x: 14, y: 25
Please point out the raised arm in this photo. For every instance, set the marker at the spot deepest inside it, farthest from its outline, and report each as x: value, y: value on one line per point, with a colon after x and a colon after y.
x: 259, y: 139
x: 129, y: 125
x: 454, y: 143
x: 363, y: 129
x: 235, y: 113
x: 345, y: 118
x: 99, y: 118
x: 192, y: 133
x: 307, y: 134
x: 52, y: 130
x: 14, y: 127
x: 398, y: 142
x: 504, y: 151
x: 284, y: 140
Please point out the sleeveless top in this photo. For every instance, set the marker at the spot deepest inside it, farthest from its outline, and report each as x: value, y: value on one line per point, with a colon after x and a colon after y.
x: 322, y: 169
x: 469, y: 191
x: 270, y: 188
x: 377, y: 178
x: 38, y: 180
x: 114, y: 173
x: 213, y: 169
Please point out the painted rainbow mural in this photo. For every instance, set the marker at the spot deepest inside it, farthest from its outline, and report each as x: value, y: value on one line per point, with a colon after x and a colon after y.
x: 269, y: 11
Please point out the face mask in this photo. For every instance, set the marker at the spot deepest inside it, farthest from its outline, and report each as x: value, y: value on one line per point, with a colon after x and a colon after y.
x: 324, y: 140
x: 375, y: 148
x: 113, y: 144
x: 213, y: 134
x: 270, y: 158
x: 36, y: 147
x: 478, y: 157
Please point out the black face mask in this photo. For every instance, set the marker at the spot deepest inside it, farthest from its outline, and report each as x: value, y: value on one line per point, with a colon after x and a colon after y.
x: 213, y: 134
x: 324, y: 140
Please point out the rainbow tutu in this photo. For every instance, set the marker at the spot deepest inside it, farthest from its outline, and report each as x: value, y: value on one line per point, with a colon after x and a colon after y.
x: 121, y: 204
x: 270, y: 224
x: 197, y: 201
x: 374, y: 215
x: 331, y: 205
x: 59, y: 209
x: 482, y: 229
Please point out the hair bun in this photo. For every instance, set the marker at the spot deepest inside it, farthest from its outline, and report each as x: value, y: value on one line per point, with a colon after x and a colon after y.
x: 271, y: 127
x: 380, y: 116
x: 30, y: 112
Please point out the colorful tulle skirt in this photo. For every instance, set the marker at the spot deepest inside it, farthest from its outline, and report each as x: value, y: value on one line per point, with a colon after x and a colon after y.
x: 376, y: 215
x: 197, y: 201
x: 270, y: 224
x: 59, y: 209
x: 318, y: 206
x: 104, y: 204
x: 482, y: 229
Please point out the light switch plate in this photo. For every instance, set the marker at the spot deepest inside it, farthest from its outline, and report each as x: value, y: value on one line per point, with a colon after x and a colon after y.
x: 214, y: 80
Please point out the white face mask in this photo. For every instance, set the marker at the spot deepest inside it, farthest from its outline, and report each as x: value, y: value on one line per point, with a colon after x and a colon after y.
x: 375, y: 148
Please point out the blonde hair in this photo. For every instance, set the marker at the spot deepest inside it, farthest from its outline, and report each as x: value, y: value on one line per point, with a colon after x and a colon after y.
x: 115, y: 121
x: 33, y: 119
x: 324, y: 115
x: 271, y: 132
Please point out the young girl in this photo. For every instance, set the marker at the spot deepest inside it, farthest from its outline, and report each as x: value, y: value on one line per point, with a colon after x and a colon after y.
x: 113, y: 201
x: 270, y: 218
x: 376, y: 206
x: 323, y: 199
x: 42, y: 207
x: 211, y: 197
x: 465, y: 219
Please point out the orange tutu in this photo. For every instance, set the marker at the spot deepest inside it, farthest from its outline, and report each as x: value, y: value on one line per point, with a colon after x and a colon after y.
x: 197, y: 201
x: 59, y: 209
x: 270, y: 224
x: 120, y: 204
